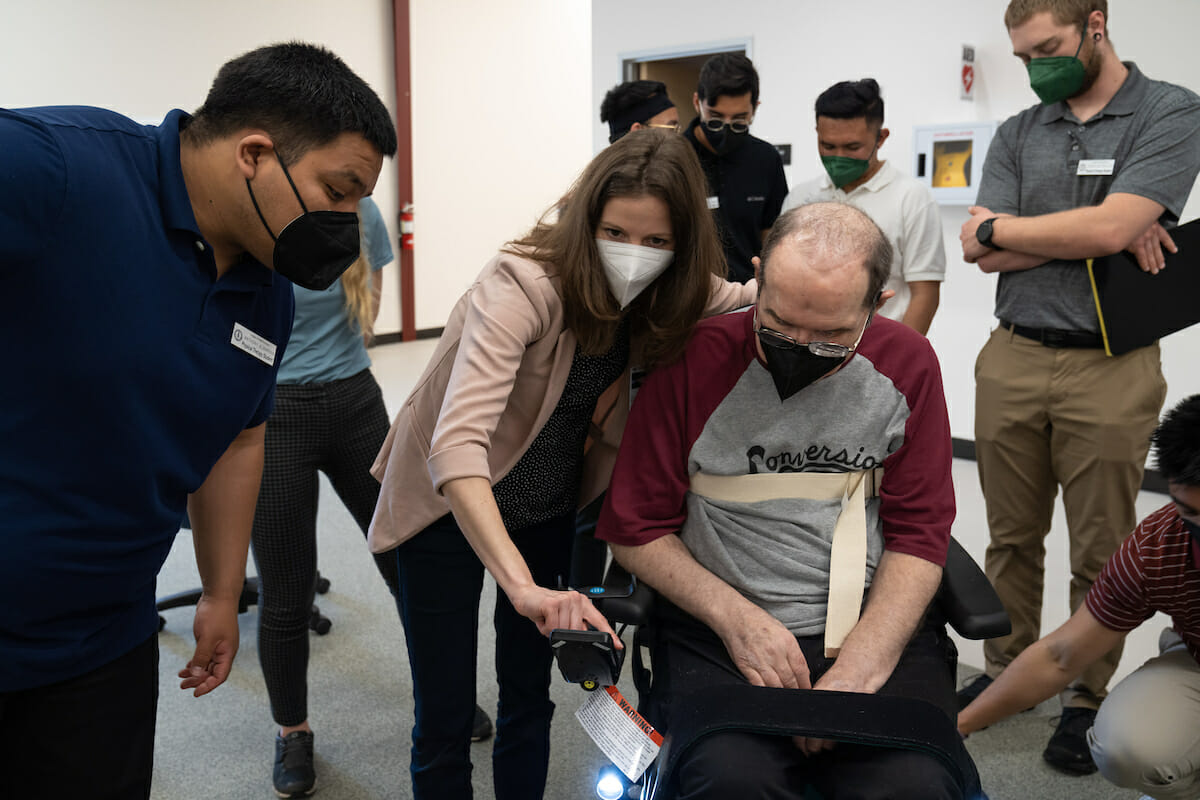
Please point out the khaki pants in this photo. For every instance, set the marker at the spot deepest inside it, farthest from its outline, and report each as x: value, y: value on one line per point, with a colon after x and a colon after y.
x: 1048, y: 417
x: 1147, y: 734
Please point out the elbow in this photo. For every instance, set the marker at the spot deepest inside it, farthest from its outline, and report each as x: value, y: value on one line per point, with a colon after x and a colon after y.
x: 1059, y: 652
x: 623, y: 554
x: 1121, y: 234
x: 987, y: 265
x: 631, y: 557
x: 1115, y: 240
x: 935, y: 300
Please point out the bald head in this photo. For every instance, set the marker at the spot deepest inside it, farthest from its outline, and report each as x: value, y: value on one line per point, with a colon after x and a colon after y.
x: 832, y: 238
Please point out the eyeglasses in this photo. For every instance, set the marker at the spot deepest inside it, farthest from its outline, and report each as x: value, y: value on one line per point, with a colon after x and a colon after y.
x: 781, y: 341
x: 664, y: 127
x: 715, y: 125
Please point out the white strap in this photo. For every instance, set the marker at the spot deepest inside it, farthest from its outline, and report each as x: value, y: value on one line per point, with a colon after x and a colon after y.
x: 783, y: 485
x: 848, y: 550
x: 847, y: 569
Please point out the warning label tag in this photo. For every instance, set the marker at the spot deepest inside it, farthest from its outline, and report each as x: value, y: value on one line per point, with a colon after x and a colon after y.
x: 620, y: 731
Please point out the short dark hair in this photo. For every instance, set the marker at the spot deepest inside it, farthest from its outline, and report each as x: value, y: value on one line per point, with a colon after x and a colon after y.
x: 624, y: 104
x: 852, y: 100
x: 301, y: 94
x: 730, y: 74
x: 840, y: 228
x: 1177, y: 443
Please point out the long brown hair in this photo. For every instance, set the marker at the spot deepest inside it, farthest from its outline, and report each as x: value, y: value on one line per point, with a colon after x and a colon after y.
x: 650, y: 162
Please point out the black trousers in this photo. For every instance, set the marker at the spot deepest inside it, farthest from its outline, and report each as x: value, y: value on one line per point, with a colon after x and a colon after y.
x: 91, y: 736
x: 336, y: 428
x: 688, y: 655
x: 440, y: 583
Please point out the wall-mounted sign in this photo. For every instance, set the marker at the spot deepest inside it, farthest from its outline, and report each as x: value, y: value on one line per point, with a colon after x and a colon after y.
x: 968, y: 75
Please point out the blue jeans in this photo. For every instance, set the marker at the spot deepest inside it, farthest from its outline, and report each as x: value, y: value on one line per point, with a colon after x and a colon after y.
x: 440, y: 582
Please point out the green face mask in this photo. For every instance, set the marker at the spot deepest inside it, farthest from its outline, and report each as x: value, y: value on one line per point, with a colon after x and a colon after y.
x: 1056, y: 78
x: 843, y: 169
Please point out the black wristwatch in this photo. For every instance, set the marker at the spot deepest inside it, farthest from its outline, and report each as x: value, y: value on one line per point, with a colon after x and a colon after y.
x: 984, y: 234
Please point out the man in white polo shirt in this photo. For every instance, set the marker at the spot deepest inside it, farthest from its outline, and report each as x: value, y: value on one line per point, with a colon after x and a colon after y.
x: 849, y: 134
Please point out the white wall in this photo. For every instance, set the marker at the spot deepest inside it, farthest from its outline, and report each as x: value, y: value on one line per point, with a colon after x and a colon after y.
x: 500, y: 97
x: 146, y: 57
x: 501, y: 126
x: 801, y: 47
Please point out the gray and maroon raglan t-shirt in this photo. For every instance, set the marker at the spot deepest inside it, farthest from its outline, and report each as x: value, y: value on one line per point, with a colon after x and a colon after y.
x: 717, y: 411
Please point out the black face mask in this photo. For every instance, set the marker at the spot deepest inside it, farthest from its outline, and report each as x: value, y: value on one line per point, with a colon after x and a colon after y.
x: 1192, y: 528
x: 794, y: 368
x: 315, y: 248
x: 725, y: 141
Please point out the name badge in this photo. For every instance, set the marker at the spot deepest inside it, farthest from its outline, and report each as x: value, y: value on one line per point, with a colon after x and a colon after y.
x: 250, y: 342
x: 713, y: 203
x: 1096, y: 166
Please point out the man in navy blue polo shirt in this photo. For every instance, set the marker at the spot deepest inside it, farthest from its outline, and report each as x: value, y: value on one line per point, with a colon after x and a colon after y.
x: 144, y: 326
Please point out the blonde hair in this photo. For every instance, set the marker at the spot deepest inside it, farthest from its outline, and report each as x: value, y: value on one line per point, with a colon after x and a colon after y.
x: 356, y: 281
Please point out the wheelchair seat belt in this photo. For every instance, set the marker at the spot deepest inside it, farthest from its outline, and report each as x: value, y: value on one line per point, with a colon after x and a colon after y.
x: 848, y: 550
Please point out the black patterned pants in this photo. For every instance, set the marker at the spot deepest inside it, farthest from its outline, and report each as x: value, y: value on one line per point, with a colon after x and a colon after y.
x: 336, y: 428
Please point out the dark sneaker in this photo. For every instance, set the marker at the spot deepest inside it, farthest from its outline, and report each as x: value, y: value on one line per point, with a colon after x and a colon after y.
x: 1067, y: 749
x: 972, y: 688
x: 482, y: 728
x: 294, y: 775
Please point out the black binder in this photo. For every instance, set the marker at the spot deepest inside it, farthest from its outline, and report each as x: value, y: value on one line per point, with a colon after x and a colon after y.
x: 1136, y: 308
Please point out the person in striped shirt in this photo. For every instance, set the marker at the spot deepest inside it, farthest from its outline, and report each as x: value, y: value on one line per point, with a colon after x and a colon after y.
x: 1145, y: 734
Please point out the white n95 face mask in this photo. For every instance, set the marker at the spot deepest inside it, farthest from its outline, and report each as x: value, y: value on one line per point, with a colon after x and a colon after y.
x: 630, y: 268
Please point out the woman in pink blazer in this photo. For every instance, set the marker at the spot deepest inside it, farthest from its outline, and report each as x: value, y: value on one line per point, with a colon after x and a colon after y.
x: 514, y: 425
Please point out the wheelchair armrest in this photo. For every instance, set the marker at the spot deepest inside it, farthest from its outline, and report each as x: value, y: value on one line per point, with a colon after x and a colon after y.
x: 967, y: 600
x: 632, y: 610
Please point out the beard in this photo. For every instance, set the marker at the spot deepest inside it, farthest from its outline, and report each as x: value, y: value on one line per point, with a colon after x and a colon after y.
x: 1092, y: 66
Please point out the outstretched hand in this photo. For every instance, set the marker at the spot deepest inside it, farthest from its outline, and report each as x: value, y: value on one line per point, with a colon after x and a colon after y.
x: 552, y: 609
x: 216, y: 631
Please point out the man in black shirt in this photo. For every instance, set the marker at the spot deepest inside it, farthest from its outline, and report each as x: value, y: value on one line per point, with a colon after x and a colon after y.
x: 746, y: 183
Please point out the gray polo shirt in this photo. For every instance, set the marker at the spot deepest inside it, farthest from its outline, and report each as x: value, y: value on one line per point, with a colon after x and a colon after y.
x: 1150, y: 129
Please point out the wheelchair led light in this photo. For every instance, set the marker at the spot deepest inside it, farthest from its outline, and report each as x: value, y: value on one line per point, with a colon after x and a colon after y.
x: 609, y: 785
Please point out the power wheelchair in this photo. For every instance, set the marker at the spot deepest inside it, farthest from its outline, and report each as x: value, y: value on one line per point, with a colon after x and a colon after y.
x: 965, y: 600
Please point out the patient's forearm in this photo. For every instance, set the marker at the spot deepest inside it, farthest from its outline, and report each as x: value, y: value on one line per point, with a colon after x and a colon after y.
x: 903, y: 587
x: 667, y: 566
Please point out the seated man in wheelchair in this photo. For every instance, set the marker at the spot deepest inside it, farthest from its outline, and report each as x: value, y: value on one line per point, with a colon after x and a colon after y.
x: 786, y: 489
